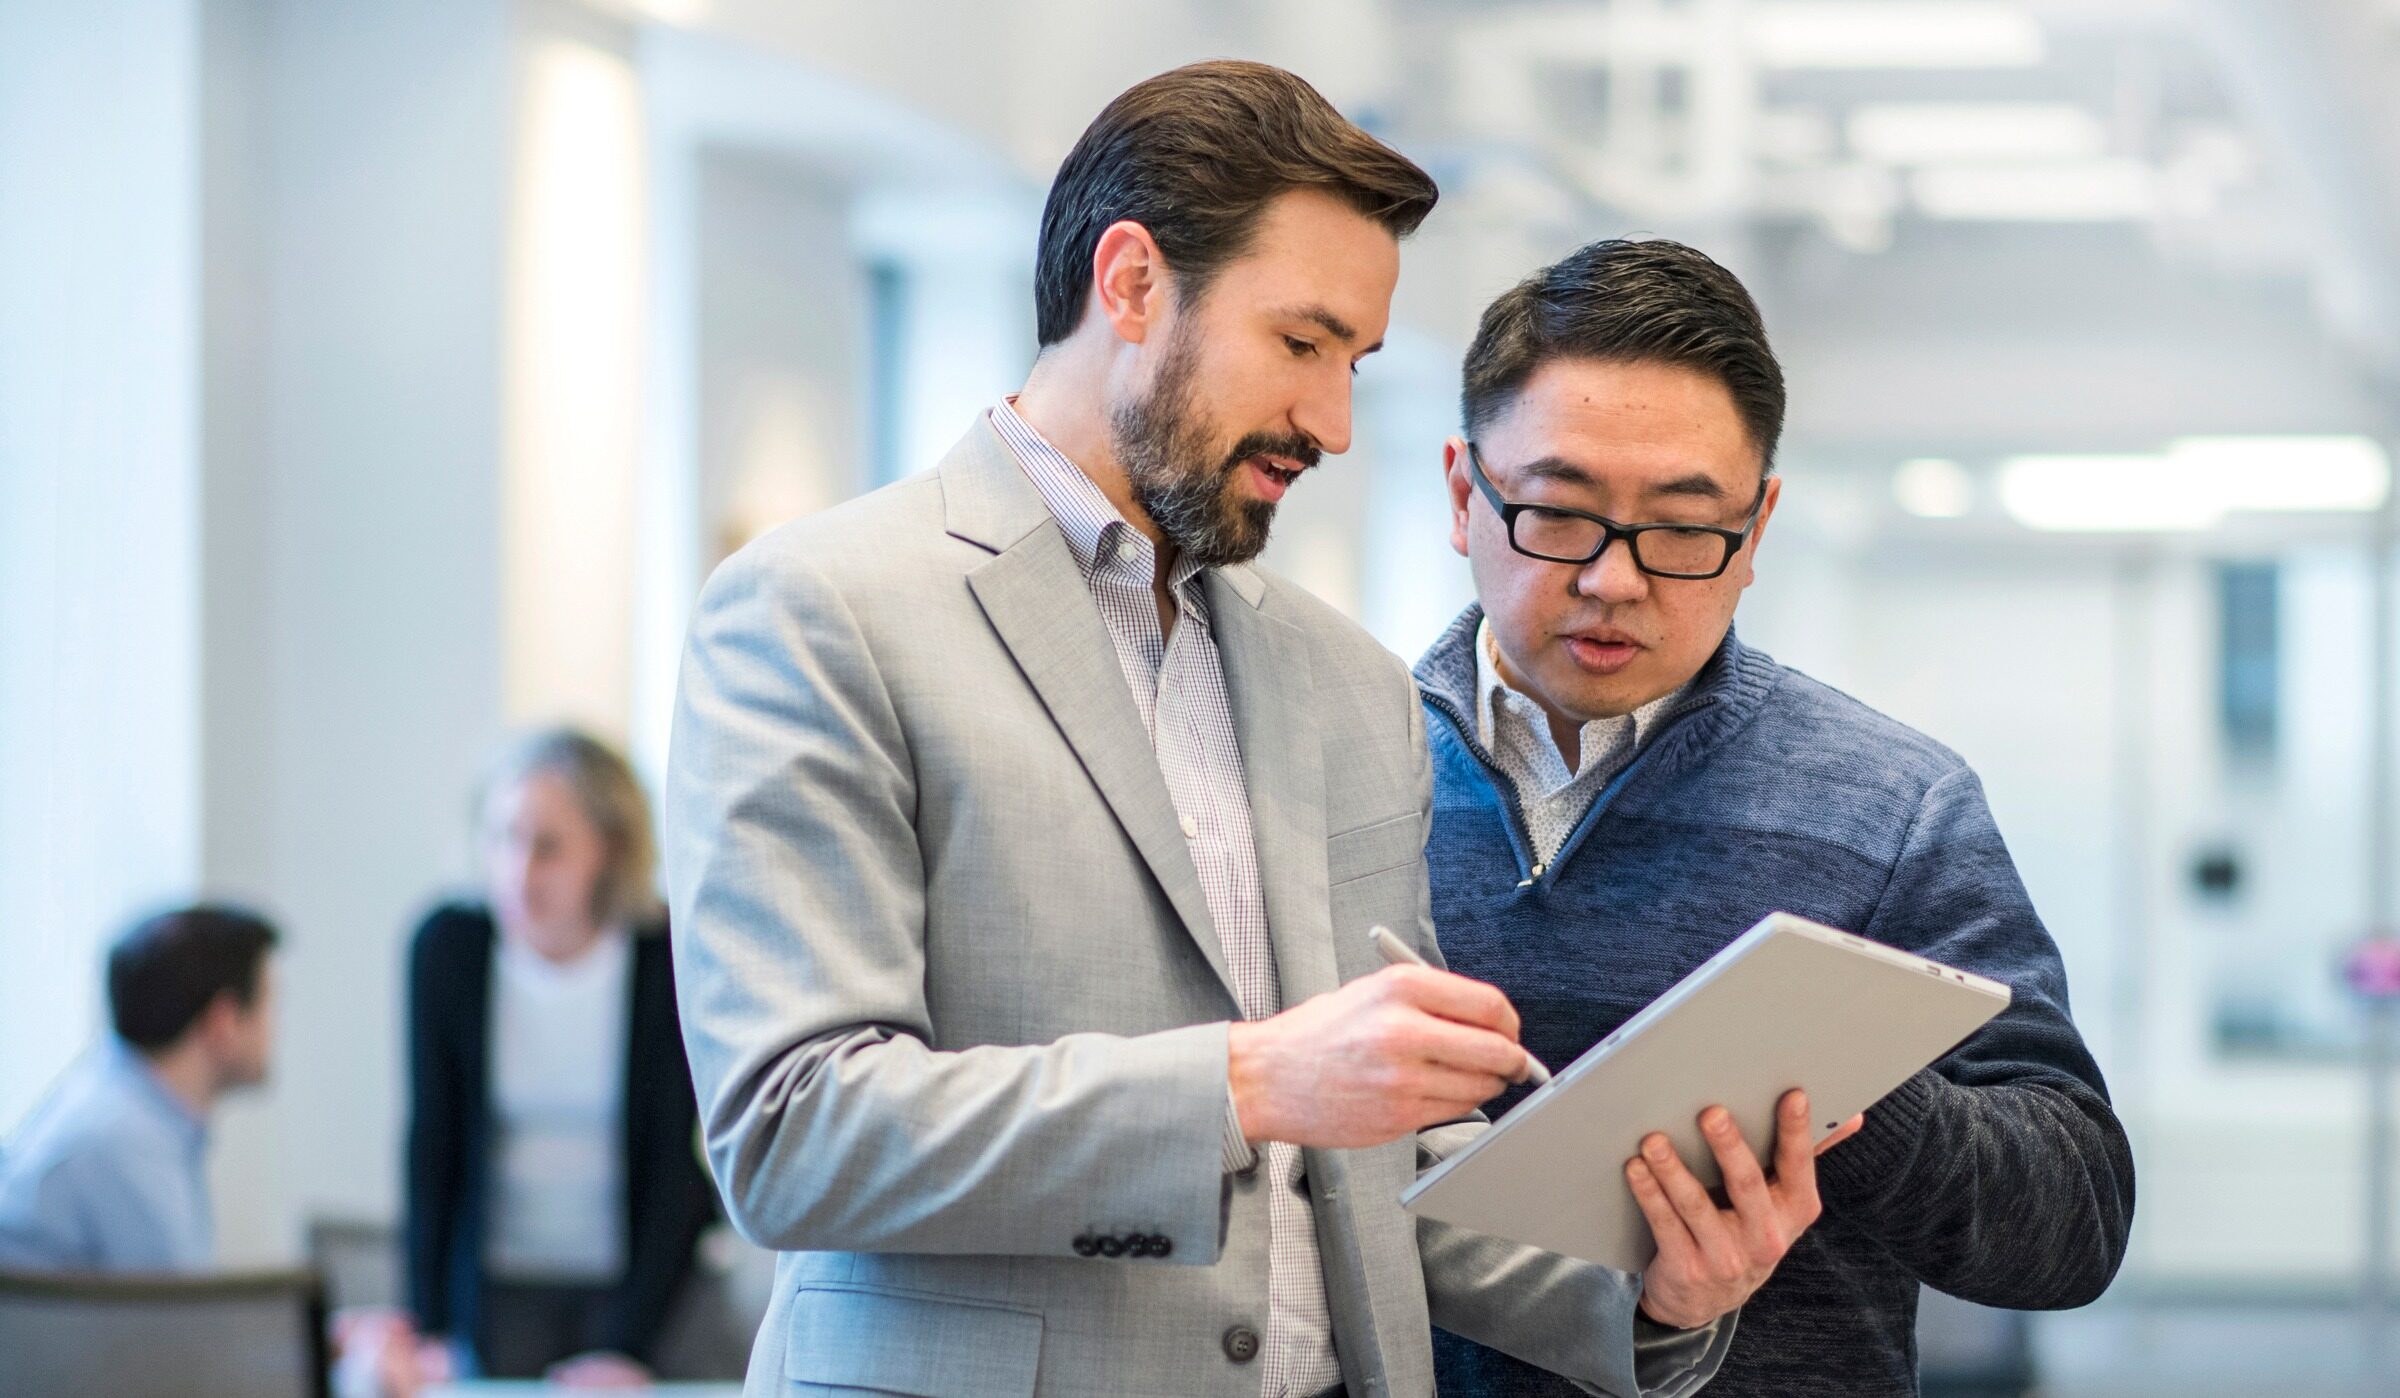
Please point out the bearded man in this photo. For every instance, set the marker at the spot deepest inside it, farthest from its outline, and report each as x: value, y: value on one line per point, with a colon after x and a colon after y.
x: 1023, y: 838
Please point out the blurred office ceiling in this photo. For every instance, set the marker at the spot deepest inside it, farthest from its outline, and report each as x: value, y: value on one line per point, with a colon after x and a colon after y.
x: 1980, y: 228
x: 2245, y: 137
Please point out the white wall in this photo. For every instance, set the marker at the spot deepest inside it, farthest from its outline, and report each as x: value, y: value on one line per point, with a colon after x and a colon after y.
x: 100, y: 502
x: 355, y: 574
x: 782, y: 330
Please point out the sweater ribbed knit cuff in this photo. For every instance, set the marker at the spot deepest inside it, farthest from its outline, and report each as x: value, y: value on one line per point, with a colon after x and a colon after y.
x: 1857, y: 1173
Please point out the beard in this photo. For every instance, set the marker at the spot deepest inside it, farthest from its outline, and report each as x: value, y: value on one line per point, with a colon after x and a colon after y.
x: 1188, y: 488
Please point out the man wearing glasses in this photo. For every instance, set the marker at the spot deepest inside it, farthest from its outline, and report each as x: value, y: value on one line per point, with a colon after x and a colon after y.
x: 1621, y: 788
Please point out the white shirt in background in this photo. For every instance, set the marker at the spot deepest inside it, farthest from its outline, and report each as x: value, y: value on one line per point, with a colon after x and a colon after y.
x: 558, y: 1102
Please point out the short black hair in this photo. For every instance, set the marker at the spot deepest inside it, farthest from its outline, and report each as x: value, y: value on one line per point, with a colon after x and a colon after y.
x: 1625, y: 301
x: 1194, y: 155
x: 168, y: 968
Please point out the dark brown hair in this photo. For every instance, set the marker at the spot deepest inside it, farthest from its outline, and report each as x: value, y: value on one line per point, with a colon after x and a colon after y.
x: 169, y: 968
x: 1194, y: 156
x: 1622, y: 301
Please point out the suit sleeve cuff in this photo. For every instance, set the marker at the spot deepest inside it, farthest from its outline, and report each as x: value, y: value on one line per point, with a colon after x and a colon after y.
x: 1669, y: 1363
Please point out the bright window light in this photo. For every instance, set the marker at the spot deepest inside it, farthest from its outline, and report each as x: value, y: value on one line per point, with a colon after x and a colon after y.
x: 1935, y: 133
x: 574, y: 376
x: 2103, y: 494
x: 2083, y: 191
x: 1865, y: 34
x: 2279, y: 474
x: 1933, y: 487
x: 2196, y: 483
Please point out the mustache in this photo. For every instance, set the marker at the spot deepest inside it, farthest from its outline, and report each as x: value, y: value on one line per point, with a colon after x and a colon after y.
x: 1291, y: 446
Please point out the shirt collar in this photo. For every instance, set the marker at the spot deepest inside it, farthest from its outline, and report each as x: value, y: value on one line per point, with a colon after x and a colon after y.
x: 130, y: 1069
x: 1495, y: 695
x: 1105, y: 546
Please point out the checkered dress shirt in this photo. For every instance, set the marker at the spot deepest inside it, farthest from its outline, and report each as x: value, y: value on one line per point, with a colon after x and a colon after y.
x: 1178, y: 684
x: 1517, y: 733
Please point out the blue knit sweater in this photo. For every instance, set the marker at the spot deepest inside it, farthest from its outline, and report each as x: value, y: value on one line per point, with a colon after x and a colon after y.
x: 1999, y: 1175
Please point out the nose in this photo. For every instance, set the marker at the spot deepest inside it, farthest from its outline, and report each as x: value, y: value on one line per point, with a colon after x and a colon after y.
x: 1324, y: 415
x: 1613, y: 577
x: 521, y: 871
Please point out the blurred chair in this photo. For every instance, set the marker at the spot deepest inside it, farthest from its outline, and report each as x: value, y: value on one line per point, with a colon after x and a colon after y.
x: 1970, y: 1351
x: 710, y: 1330
x: 252, y: 1336
x: 359, y: 1260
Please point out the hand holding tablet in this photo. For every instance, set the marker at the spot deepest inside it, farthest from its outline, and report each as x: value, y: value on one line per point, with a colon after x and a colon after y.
x: 1790, y: 1004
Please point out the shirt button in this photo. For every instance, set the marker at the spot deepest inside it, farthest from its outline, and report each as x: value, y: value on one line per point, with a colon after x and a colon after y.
x: 1241, y: 1344
x: 1191, y: 828
x: 1127, y: 550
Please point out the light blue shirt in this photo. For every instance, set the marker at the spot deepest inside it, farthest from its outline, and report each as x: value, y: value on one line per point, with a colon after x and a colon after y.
x: 107, y: 1175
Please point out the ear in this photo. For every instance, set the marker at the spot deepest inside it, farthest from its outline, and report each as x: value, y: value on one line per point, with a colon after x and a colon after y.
x: 1130, y: 281
x: 1758, y: 531
x: 1461, y: 488
x: 219, y: 1019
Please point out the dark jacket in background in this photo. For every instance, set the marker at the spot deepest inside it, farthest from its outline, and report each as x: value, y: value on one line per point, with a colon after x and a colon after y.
x: 669, y: 1199
x: 1999, y: 1175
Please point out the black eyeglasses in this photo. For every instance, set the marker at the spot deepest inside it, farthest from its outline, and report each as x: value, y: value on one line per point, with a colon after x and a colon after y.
x: 1556, y: 534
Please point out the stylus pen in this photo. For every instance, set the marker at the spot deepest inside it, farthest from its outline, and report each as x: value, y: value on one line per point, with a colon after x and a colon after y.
x: 1397, y: 953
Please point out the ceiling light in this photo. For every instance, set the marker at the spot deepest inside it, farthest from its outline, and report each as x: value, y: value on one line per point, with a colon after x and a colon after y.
x: 2284, y: 474
x: 2196, y: 483
x: 1868, y: 34
x: 2103, y: 494
x: 1933, y: 487
x: 2065, y: 192
x: 1930, y: 133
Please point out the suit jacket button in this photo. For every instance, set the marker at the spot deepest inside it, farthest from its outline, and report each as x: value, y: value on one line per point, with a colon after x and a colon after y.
x: 1112, y: 1246
x: 1241, y: 1344
x: 1161, y: 1245
x: 1086, y: 1246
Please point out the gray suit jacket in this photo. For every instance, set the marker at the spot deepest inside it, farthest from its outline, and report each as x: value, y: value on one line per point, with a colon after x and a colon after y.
x: 953, y: 999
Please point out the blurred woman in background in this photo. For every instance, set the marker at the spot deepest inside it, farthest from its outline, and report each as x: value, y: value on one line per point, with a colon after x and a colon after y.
x: 555, y: 1197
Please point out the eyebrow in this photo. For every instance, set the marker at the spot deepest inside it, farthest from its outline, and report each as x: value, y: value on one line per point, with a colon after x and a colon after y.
x: 1556, y: 468
x: 1696, y: 485
x: 1703, y: 487
x: 1332, y: 324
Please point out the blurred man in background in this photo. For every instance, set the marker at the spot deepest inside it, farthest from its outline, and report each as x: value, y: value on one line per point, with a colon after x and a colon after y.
x: 109, y: 1173
x: 1621, y: 788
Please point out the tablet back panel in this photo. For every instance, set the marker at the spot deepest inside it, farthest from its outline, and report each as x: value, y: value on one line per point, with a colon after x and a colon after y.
x: 1789, y: 1004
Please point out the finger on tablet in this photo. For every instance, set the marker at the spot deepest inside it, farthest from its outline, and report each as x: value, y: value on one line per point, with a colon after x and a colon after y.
x: 1684, y: 1191
x: 1745, y: 1182
x: 1794, y: 1155
x: 1675, y: 1244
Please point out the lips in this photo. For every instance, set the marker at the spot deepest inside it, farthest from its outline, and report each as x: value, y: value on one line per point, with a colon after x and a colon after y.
x: 1603, y: 651
x: 1273, y: 475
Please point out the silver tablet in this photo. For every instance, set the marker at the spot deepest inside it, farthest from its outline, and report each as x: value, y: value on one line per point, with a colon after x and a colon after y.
x: 1789, y: 1004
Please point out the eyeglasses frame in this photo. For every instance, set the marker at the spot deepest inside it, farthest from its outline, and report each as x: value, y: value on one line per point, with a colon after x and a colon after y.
x: 1610, y: 531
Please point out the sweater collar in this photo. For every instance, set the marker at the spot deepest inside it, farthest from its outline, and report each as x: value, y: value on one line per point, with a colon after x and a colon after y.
x: 1719, y: 700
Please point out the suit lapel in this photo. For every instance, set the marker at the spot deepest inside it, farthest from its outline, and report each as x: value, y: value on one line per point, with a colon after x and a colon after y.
x: 1037, y: 601
x: 1267, y: 681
